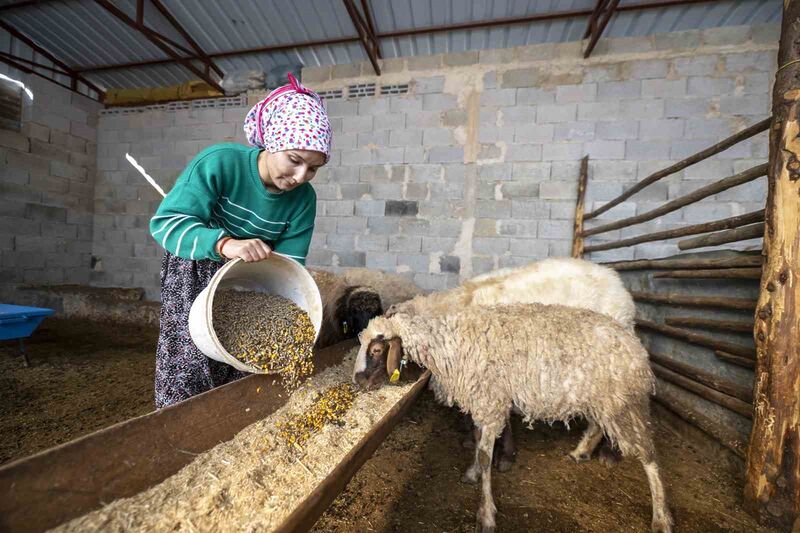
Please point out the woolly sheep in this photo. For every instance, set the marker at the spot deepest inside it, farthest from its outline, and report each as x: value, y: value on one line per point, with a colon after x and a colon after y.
x: 563, y: 280
x: 539, y: 359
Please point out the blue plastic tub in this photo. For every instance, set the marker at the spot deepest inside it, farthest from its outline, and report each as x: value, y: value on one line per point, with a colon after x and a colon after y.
x: 18, y: 322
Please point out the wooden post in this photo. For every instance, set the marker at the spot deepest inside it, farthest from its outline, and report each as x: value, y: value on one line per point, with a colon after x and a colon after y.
x: 580, y: 208
x: 772, y: 478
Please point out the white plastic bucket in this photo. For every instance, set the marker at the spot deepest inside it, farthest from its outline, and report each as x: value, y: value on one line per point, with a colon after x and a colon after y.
x: 277, y: 274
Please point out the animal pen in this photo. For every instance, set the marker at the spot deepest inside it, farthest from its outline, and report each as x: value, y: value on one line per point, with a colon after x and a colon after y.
x: 770, y: 399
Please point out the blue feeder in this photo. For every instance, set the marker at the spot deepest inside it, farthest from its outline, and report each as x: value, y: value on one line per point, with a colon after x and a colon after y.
x: 18, y: 322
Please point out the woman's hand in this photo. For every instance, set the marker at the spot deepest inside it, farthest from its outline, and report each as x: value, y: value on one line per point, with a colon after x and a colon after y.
x: 248, y: 249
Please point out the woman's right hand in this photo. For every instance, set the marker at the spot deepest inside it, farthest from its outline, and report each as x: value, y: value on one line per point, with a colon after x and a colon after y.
x: 248, y: 249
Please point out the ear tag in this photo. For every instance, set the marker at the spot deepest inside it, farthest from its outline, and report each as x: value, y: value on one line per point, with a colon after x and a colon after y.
x: 395, y: 376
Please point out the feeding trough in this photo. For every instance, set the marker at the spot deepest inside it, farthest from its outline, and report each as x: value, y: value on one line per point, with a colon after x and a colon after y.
x: 19, y: 322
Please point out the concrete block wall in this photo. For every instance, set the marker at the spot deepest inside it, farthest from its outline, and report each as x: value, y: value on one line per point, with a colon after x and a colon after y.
x: 476, y: 167
x: 47, y: 173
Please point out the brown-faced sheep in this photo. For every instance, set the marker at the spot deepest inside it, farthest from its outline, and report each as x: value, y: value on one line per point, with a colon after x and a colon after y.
x: 539, y: 359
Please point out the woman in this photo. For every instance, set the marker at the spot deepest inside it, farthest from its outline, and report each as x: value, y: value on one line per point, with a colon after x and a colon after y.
x: 235, y: 201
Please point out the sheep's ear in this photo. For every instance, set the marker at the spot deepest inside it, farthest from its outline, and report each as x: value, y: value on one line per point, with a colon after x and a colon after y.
x: 395, y: 356
x: 391, y: 311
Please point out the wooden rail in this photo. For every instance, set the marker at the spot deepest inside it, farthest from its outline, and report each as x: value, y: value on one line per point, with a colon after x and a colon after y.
x: 744, y: 362
x: 716, y: 273
x: 705, y: 378
x: 744, y: 304
x: 704, y: 154
x: 695, y: 196
x: 755, y: 231
x: 695, y: 338
x: 726, y: 223
x: 577, y: 229
x: 654, y: 264
x: 707, y: 393
x: 710, y: 323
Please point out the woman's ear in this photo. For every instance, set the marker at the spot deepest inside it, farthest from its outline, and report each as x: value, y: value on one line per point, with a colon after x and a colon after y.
x: 394, y: 358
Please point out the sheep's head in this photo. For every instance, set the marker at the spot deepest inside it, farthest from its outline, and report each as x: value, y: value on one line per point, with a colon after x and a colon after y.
x: 379, y: 356
x: 362, y: 305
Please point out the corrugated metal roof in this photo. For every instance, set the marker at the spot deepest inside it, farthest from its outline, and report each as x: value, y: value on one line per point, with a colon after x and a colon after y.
x: 82, y: 34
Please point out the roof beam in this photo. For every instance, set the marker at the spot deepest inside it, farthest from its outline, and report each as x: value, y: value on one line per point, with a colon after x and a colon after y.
x: 399, y: 33
x: 604, y: 9
x: 9, y: 60
x: 157, y: 40
x: 71, y: 72
x: 365, y: 35
x: 175, y: 24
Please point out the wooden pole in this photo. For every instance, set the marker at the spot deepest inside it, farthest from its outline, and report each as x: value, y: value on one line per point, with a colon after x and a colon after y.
x: 772, y: 478
x: 735, y: 359
x: 709, y: 323
x: 754, y: 231
x: 695, y: 338
x: 707, y: 393
x: 694, y: 196
x: 723, y: 302
x: 726, y: 223
x: 655, y: 264
x: 755, y: 129
x: 719, y: 273
x: 706, y: 378
x: 577, y: 240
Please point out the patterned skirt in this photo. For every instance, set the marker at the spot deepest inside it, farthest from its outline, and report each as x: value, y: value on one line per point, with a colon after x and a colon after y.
x: 182, y: 370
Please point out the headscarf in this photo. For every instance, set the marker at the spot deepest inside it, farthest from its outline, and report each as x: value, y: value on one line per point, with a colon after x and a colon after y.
x: 291, y: 117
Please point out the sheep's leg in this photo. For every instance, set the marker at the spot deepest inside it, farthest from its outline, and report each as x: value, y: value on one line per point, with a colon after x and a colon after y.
x: 507, y: 450
x: 591, y: 438
x: 483, y: 456
x: 634, y: 437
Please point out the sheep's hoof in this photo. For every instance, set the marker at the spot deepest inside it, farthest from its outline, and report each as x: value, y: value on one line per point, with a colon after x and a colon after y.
x: 579, y: 457
x: 608, y: 457
x: 469, y: 478
x: 504, y: 464
x: 480, y: 528
x: 663, y: 525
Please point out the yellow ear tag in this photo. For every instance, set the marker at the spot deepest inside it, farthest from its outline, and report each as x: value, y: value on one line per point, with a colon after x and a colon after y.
x: 395, y: 376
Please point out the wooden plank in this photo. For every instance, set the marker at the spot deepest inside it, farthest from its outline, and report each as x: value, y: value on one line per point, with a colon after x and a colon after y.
x: 772, y: 476
x: 695, y: 338
x: 715, y: 273
x: 710, y: 323
x: 705, y: 378
x: 707, y: 393
x: 716, y: 430
x: 308, y: 512
x: 655, y: 264
x: 744, y: 362
x: 744, y: 304
x: 725, y: 223
x: 754, y: 231
x: 746, y: 133
x: 577, y: 240
x: 56, y: 485
x: 694, y: 196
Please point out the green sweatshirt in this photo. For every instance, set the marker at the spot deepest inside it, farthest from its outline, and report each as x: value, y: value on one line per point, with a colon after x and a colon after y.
x: 219, y: 194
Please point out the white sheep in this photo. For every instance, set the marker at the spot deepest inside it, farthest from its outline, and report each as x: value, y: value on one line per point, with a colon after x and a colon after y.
x: 563, y: 280
x: 539, y: 359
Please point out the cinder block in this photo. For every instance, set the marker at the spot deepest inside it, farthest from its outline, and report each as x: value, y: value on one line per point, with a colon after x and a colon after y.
x: 558, y: 190
x: 357, y: 124
x: 662, y: 88
x: 493, y: 209
x: 437, y: 137
x: 342, y: 108
x: 490, y: 245
x: 668, y: 128
x: 438, y: 102
x: 351, y: 225
x: 641, y: 109
x: 453, y: 118
x: 534, y: 133
x: 353, y: 191
x: 753, y: 104
x: 620, y: 129
x: 517, y: 228
x: 424, y: 62
x: 562, y: 151
x: 438, y: 244
x: 696, y: 65
x: 705, y: 86
x: 518, y: 115
x: 410, y: 137
x: 677, y: 40
x: 686, y: 107
x: 585, y: 92
x: 555, y: 229
x: 751, y: 62
x: 414, y: 154
x: 498, y: 97
x: 726, y: 35
x: 557, y: 112
x: 709, y: 128
x: 361, y: 156
x: 529, y: 172
x: 645, y: 150
x: 405, y: 104
x: 604, y: 149
x: 535, y: 95
x: 424, y: 119
x: 619, y: 90
x: 430, y: 85
x: 389, y: 155
x: 598, y: 111
x: 405, y: 243
x: 491, y: 134
x: 524, y: 152
x: 446, y: 154
x: 531, y: 209
x: 501, y: 56
x: 524, y: 77
x: 389, y: 121
x: 373, y: 139
x: 645, y: 69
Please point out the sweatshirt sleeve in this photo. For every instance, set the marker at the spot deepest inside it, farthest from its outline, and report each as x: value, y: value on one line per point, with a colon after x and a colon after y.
x: 181, y: 223
x: 295, y: 241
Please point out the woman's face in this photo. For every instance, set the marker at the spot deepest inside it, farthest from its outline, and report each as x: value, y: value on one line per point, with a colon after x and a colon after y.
x: 291, y: 168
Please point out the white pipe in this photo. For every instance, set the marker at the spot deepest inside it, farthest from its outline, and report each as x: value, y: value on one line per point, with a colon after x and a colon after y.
x: 142, y: 171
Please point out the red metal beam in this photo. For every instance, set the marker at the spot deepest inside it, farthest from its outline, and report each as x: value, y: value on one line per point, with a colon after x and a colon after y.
x: 367, y: 39
x: 16, y: 5
x: 371, y: 25
x: 186, y: 62
x: 38, y: 49
x: 399, y: 33
x: 608, y: 10
x: 27, y: 70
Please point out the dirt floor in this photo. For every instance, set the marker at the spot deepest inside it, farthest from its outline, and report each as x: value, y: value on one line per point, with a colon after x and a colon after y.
x: 412, y: 484
x: 83, y: 376
x: 86, y: 376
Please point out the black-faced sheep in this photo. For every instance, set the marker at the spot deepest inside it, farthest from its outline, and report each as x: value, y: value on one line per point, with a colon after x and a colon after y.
x: 540, y: 359
x: 562, y: 280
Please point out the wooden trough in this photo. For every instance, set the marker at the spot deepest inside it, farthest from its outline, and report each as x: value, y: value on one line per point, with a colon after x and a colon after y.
x: 70, y: 480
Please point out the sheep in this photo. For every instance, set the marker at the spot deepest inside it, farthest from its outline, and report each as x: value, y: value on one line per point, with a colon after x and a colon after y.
x: 352, y: 298
x: 539, y: 359
x: 566, y: 281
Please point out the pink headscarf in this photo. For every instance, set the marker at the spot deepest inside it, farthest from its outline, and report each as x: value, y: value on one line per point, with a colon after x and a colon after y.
x: 292, y: 117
